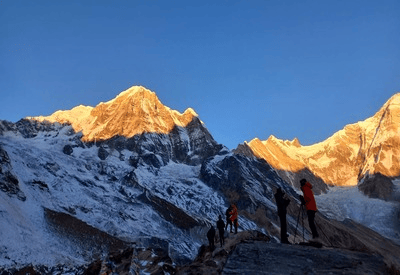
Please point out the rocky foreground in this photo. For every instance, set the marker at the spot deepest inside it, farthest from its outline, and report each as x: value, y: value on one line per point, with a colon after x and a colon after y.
x: 248, y: 252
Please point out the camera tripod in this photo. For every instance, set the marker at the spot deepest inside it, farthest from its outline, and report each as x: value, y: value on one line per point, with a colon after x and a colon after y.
x: 301, y: 211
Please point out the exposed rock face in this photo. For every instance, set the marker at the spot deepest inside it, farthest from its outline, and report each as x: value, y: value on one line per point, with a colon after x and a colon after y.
x: 68, y: 150
x: 376, y: 186
x: 242, y: 180
x: 8, y: 180
x: 370, y: 146
x: 28, y: 128
x: 319, y: 186
x: 190, y: 145
x: 268, y: 258
x: 170, y: 212
x: 102, y: 153
x: 88, y: 239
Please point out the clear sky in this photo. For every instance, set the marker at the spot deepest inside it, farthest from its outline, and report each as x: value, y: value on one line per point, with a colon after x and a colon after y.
x: 249, y: 68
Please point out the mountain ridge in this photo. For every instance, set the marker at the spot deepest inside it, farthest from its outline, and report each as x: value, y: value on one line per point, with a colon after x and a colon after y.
x: 365, y: 147
x: 133, y: 111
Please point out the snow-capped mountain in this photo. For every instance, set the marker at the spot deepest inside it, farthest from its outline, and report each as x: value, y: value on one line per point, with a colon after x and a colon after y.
x: 132, y: 172
x: 152, y: 174
x: 368, y: 147
x: 134, y: 111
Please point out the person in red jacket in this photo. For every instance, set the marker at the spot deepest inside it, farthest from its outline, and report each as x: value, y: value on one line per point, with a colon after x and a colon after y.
x: 310, y: 204
x: 234, y: 217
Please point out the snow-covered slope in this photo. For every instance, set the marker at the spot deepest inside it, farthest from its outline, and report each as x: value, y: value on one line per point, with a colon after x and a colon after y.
x: 342, y: 203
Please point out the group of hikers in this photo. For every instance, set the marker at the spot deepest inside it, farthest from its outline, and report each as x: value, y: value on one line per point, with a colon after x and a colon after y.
x: 282, y: 202
x: 231, y: 219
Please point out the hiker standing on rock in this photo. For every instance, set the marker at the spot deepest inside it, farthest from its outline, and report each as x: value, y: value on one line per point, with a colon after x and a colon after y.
x: 228, y: 218
x: 282, y: 203
x: 311, y: 205
x: 234, y: 217
x: 221, y: 230
x: 211, y: 237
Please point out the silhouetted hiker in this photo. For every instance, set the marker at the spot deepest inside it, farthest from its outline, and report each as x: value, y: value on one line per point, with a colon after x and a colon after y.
x: 221, y: 230
x: 228, y: 218
x: 282, y: 203
x: 234, y: 217
x: 311, y: 205
x: 210, y: 237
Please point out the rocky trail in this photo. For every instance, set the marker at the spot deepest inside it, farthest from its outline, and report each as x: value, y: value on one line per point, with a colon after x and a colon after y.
x: 247, y: 252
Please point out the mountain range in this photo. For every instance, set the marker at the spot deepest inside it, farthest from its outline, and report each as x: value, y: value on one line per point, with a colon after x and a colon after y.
x: 131, y: 173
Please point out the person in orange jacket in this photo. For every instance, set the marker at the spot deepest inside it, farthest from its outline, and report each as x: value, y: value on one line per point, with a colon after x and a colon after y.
x: 310, y: 204
x: 234, y: 217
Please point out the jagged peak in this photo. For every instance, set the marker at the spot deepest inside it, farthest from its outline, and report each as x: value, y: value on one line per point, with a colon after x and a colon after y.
x: 134, y: 90
x: 272, y: 138
x: 295, y: 142
x: 191, y: 112
x: 133, y: 111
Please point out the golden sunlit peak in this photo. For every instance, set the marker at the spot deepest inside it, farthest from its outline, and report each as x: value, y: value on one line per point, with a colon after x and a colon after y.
x: 295, y: 142
x: 134, y: 111
x: 190, y: 111
x: 133, y: 90
x: 368, y: 146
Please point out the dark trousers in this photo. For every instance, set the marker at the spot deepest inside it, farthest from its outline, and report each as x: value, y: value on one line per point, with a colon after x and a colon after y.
x: 211, y: 243
x: 221, y: 236
x: 235, y: 223
x: 228, y: 222
x: 311, y: 217
x: 283, y: 228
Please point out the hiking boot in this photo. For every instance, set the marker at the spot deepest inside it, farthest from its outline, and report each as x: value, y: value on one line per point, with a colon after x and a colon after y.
x: 316, y: 240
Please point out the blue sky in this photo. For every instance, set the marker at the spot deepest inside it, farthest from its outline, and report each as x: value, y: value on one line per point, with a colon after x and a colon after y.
x: 249, y: 68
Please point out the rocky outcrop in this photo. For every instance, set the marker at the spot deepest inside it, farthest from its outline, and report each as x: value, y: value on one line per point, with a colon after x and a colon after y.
x: 248, y: 252
x: 189, y: 145
x: 8, y: 180
x: 29, y: 128
x: 257, y: 257
x: 170, y: 212
x: 244, y: 181
x: 102, y: 153
x: 88, y: 239
x: 68, y: 150
x: 376, y: 186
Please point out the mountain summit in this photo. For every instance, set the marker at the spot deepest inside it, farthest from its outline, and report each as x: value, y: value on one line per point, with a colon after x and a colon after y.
x: 134, y: 111
x: 362, y: 148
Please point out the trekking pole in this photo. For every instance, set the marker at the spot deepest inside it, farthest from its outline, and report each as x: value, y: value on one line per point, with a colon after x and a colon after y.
x: 302, y: 220
x: 324, y: 234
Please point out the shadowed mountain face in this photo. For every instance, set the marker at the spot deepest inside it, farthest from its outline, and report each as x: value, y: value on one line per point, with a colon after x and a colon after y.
x: 369, y: 147
x: 131, y: 172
